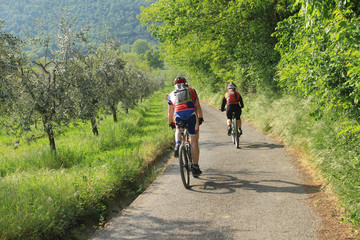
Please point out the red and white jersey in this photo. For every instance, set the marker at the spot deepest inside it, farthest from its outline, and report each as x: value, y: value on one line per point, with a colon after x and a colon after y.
x: 185, y: 106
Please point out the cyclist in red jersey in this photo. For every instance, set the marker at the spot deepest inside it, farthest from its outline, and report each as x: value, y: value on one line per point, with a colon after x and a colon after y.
x: 184, y: 105
x: 234, y: 103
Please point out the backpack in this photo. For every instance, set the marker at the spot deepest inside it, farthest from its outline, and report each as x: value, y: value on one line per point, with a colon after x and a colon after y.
x: 182, y: 95
x: 232, y: 97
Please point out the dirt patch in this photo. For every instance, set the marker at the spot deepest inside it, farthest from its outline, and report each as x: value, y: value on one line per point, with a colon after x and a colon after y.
x: 323, y: 202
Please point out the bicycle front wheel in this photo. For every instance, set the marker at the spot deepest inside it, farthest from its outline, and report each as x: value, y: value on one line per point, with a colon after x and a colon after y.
x: 184, y: 166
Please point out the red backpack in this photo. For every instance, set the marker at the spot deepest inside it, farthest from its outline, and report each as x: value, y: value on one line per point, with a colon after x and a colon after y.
x: 232, y: 97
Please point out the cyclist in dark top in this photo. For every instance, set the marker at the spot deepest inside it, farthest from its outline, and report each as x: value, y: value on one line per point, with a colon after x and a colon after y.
x: 234, y: 103
x: 184, y: 105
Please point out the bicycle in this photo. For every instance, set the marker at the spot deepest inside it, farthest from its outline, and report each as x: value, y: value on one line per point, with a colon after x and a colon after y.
x: 185, y: 156
x: 235, y: 135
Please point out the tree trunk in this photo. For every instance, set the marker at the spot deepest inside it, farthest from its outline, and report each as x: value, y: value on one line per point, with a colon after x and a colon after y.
x: 94, y: 126
x: 49, y: 131
x: 52, y: 142
x: 114, y: 113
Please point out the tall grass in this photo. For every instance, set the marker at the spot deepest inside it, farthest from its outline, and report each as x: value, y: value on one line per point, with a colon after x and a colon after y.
x: 43, y: 195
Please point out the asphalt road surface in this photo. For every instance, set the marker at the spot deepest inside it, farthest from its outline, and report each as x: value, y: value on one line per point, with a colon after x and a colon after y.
x: 249, y: 193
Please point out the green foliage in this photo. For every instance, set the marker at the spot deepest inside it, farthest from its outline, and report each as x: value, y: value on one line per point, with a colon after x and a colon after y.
x: 10, y: 58
x: 320, y: 55
x: 154, y: 59
x: 140, y: 46
x: 118, y: 16
x: 219, y: 40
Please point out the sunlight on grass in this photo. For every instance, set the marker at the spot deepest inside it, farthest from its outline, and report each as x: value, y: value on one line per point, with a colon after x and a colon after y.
x: 42, y: 193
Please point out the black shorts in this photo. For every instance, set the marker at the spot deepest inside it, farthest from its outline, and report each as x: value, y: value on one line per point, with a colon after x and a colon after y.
x: 233, y: 108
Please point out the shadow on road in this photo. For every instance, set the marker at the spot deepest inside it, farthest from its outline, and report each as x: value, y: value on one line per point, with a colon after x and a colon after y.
x: 259, y: 145
x: 142, y: 225
x: 208, y: 144
x: 213, y: 182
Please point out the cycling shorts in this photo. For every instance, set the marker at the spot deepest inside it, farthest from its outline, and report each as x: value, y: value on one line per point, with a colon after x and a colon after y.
x: 191, y: 119
x: 233, y: 108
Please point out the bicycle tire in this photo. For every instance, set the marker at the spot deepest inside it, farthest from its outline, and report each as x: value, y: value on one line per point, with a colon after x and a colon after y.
x: 232, y: 130
x: 237, y: 136
x: 184, y: 166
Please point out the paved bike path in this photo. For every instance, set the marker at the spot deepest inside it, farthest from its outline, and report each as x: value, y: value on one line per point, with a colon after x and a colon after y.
x: 249, y: 193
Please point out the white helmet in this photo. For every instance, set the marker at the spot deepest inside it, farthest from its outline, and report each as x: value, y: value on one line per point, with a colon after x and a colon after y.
x: 232, y: 86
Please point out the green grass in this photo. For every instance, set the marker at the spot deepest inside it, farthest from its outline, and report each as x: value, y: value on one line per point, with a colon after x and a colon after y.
x: 43, y: 195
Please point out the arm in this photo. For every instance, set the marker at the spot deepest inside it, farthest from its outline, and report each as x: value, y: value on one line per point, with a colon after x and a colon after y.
x: 198, y: 109
x: 223, y: 104
x: 241, y: 101
x: 170, y: 114
x: 197, y: 105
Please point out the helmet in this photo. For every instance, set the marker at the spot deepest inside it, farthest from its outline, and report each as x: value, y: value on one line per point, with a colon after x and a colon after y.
x: 231, y: 86
x: 179, y: 80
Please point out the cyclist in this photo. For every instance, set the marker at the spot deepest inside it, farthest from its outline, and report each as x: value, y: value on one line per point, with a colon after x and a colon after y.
x: 234, y: 103
x: 184, y: 105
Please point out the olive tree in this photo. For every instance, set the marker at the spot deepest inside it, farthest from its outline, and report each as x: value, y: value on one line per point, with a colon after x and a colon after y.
x: 88, y: 90
x: 44, y: 88
x: 110, y: 72
x: 10, y: 59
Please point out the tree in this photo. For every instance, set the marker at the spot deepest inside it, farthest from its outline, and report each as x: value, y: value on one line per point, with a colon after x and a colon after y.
x: 10, y: 58
x: 140, y: 46
x: 111, y: 73
x: 220, y: 40
x: 88, y: 90
x: 44, y: 88
x: 319, y: 50
x: 154, y: 59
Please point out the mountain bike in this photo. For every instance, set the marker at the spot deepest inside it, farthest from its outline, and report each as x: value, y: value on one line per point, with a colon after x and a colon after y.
x: 185, y: 156
x: 235, y: 135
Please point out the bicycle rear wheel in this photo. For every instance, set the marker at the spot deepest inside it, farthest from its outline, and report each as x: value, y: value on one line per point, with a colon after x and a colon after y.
x: 233, y: 137
x: 236, y: 134
x: 184, y: 166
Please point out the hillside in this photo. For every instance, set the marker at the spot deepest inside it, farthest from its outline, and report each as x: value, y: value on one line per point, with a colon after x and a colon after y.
x: 118, y: 15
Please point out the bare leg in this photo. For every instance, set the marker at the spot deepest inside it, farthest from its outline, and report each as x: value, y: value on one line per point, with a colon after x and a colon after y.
x: 194, y: 141
x: 239, y: 123
x: 228, y: 122
x: 177, y: 134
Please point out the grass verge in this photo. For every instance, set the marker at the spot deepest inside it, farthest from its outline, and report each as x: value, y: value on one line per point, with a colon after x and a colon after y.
x: 42, y: 195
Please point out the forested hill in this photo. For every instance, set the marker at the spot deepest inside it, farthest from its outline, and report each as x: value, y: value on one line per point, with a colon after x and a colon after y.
x: 118, y: 15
